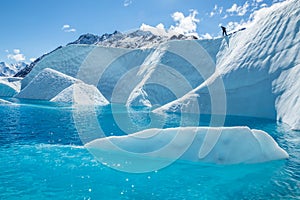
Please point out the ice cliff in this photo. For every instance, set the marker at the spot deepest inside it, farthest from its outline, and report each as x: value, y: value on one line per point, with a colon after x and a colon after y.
x: 259, y: 68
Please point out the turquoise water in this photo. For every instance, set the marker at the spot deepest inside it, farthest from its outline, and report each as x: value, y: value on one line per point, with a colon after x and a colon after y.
x: 42, y: 157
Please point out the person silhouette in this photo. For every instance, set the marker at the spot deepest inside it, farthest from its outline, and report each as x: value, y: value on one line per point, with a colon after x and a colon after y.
x: 224, y: 30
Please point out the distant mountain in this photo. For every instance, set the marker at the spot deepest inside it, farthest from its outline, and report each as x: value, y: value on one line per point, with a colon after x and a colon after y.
x: 11, y: 69
x: 24, y: 71
x: 132, y: 40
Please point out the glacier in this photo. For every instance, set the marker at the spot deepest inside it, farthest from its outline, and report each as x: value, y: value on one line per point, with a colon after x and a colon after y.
x: 255, y: 68
x: 258, y: 69
x: 229, y: 145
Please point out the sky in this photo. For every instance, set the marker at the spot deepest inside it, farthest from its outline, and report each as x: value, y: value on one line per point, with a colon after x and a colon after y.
x: 31, y: 28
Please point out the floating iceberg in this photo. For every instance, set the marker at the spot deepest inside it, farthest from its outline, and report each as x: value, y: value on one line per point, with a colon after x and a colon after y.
x: 152, y: 148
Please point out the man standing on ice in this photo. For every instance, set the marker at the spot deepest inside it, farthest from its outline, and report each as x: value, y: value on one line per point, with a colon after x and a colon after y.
x: 224, y: 30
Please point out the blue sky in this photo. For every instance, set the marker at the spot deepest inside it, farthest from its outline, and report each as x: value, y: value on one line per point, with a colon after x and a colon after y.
x: 30, y: 28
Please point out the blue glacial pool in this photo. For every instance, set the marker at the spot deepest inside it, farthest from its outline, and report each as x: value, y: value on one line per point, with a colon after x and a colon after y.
x: 42, y: 157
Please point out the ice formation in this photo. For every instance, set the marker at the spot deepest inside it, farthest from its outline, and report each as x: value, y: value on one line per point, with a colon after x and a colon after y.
x: 82, y: 94
x: 9, y: 86
x: 46, y: 85
x: 225, y: 145
x: 2, y: 101
x: 258, y: 68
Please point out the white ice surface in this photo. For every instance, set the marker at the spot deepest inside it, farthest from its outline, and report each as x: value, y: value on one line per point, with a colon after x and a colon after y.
x: 259, y: 68
x: 2, y: 101
x: 231, y: 145
x: 9, y: 86
x: 46, y: 85
x: 82, y: 94
x: 288, y: 103
x: 172, y: 70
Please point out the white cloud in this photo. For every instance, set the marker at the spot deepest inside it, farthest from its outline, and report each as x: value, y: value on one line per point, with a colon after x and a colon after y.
x: 177, y: 16
x: 127, y: 3
x: 233, y: 25
x: 16, y: 51
x: 70, y: 30
x: 206, y: 36
x: 259, y: 1
x: 220, y: 10
x: 32, y: 59
x: 238, y: 10
x: 67, y: 28
x: 16, y: 56
x: 185, y: 25
x: 157, y: 30
x: 263, y: 5
x: 225, y: 16
x: 233, y: 8
x: 216, y: 10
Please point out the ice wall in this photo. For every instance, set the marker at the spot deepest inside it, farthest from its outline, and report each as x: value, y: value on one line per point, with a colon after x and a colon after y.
x: 258, y: 67
x: 9, y: 86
